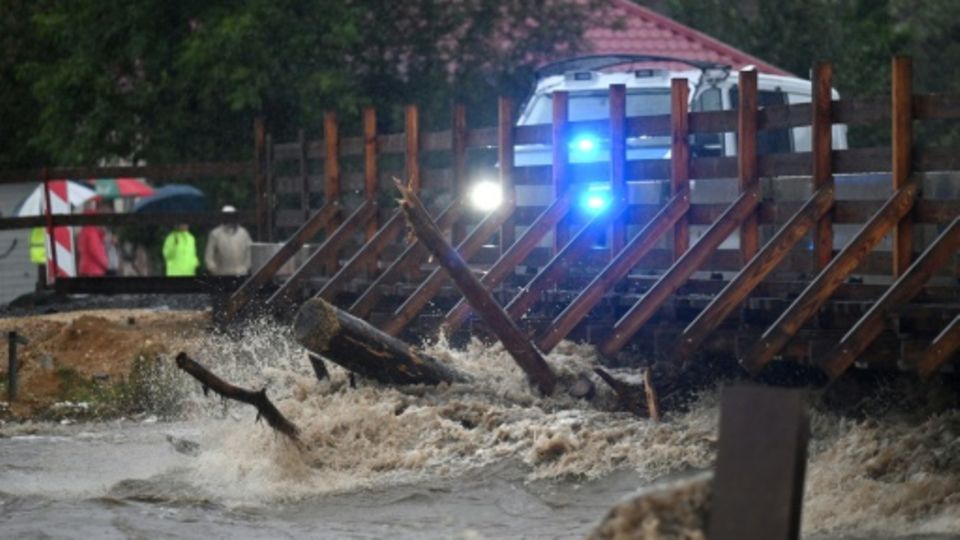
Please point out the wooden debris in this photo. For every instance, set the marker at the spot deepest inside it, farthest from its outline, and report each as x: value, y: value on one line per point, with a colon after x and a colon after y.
x: 257, y: 398
x: 517, y: 345
x: 640, y: 400
x: 360, y: 347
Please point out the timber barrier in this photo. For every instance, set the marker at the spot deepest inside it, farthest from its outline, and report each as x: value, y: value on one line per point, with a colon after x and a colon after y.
x: 830, y: 257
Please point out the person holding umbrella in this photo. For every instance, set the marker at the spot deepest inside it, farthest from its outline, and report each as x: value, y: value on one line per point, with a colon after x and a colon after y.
x: 180, y: 252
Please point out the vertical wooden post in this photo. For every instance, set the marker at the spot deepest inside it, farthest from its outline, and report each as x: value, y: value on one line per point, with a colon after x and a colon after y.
x: 680, y: 158
x: 902, y: 140
x: 370, y: 172
x: 822, y: 128
x: 304, y: 176
x: 271, y: 192
x: 459, y: 149
x: 618, y: 163
x: 331, y: 164
x: 747, y: 158
x: 412, y: 165
x: 259, y: 178
x: 561, y: 157
x: 53, y: 265
x: 505, y: 153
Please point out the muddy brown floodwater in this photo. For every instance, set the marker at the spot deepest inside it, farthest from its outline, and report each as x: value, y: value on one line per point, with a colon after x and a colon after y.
x: 489, y: 459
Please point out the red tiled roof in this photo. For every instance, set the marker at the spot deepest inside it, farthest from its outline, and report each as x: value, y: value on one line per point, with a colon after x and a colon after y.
x: 647, y: 32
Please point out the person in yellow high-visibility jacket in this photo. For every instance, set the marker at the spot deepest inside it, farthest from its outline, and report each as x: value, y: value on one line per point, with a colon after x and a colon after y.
x: 180, y: 253
x: 38, y: 254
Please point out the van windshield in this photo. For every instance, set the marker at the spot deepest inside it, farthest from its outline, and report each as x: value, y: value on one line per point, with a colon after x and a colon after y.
x: 595, y: 105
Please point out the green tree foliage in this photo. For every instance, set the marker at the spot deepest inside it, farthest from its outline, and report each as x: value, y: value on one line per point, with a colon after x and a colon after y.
x: 168, y: 80
x: 858, y: 36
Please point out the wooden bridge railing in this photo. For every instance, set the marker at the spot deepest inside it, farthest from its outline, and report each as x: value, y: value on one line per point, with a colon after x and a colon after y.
x: 659, y: 224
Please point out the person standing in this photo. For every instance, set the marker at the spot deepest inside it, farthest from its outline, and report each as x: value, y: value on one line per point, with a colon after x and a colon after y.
x: 38, y: 255
x: 180, y: 252
x: 91, y: 251
x: 228, y: 249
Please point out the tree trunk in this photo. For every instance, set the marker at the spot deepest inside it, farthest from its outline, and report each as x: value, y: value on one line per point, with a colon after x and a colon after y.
x: 359, y: 347
x: 520, y: 348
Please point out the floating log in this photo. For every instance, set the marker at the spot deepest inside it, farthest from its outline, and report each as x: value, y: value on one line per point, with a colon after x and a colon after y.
x: 257, y: 398
x: 640, y: 400
x: 361, y: 348
x: 517, y: 345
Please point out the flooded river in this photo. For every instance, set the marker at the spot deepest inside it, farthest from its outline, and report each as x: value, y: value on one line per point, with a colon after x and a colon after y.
x: 488, y: 459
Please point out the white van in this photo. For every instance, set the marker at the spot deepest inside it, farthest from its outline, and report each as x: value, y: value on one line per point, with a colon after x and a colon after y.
x: 712, y: 87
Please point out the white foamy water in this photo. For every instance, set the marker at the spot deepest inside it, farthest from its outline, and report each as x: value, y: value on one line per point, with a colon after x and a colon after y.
x: 489, y: 459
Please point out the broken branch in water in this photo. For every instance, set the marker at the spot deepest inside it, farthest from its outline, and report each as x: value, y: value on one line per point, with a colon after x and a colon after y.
x: 265, y: 409
x: 640, y: 400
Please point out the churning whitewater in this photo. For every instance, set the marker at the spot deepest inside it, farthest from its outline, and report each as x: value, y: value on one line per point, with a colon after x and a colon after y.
x: 488, y: 459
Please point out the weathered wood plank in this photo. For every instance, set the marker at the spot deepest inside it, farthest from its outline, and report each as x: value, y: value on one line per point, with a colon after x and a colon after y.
x: 680, y: 271
x: 822, y: 144
x: 822, y: 286
x: 902, y: 142
x: 365, y: 256
x: 614, y: 271
x: 561, y: 156
x: 766, y: 260
x: 618, y: 162
x: 680, y: 158
x: 941, y: 349
x: 505, y: 153
x: 324, y: 253
x: 507, y: 262
x: 907, y: 286
x: 747, y: 157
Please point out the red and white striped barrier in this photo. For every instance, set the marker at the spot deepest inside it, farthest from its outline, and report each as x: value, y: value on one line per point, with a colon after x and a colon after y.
x: 61, y: 263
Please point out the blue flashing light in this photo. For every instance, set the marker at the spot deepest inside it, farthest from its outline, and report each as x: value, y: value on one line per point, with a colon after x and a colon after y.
x: 596, y: 199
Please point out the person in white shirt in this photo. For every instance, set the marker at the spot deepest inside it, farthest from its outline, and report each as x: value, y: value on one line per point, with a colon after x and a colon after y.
x: 228, y: 249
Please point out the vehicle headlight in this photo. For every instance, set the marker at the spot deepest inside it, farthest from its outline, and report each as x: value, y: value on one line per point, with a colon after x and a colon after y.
x: 486, y: 195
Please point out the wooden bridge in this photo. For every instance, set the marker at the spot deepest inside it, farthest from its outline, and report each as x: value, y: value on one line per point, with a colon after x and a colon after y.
x: 790, y: 290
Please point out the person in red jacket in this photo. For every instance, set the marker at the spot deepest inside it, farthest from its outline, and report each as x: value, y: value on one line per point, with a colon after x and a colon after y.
x: 91, y: 251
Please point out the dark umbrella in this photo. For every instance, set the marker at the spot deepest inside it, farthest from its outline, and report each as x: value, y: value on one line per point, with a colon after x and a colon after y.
x: 173, y: 198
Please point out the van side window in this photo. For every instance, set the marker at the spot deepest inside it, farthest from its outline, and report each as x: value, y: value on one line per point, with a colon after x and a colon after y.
x: 769, y: 141
x: 708, y: 144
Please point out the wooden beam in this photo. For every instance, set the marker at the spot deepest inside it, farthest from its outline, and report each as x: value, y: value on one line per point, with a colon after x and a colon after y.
x: 680, y: 271
x: 831, y: 277
x: 680, y: 157
x: 765, y: 261
x: 412, y: 161
x: 407, y: 263
x: 558, y: 266
x: 371, y: 174
x: 304, y: 175
x: 427, y: 290
x: 517, y: 345
x: 561, y: 159
x: 615, y: 270
x: 905, y: 288
x: 331, y: 167
x: 941, y: 349
x: 324, y: 254
x: 242, y: 296
x: 507, y: 263
x: 365, y: 256
x: 259, y: 178
x: 822, y: 134
x: 902, y: 142
x: 505, y: 153
x: 271, y: 201
x: 459, y: 165
x: 757, y: 489
x: 747, y: 157
x: 618, y: 162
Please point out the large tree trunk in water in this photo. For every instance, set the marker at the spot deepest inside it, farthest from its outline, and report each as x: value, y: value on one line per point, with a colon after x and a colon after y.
x: 358, y: 346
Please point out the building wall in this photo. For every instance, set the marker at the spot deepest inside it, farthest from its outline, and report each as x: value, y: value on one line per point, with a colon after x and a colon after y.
x: 17, y: 274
